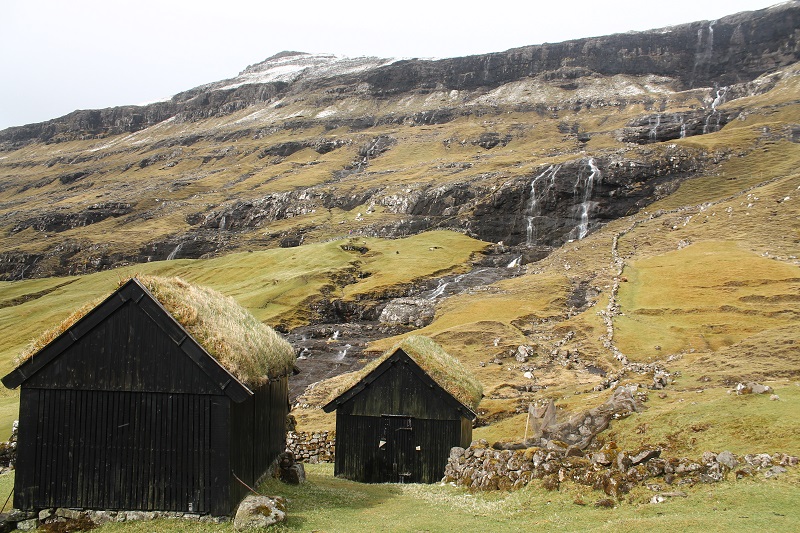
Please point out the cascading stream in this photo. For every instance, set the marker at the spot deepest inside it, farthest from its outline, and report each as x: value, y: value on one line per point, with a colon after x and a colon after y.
x: 541, y: 186
x: 586, y: 197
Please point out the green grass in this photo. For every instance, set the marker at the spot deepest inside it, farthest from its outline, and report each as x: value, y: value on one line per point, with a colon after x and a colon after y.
x: 703, y: 297
x: 696, y: 416
x: 328, y: 504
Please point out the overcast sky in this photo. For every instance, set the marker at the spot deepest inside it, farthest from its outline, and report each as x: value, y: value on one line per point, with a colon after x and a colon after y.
x: 60, y: 55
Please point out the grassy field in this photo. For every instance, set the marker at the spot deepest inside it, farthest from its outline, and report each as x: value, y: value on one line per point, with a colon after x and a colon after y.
x: 328, y: 504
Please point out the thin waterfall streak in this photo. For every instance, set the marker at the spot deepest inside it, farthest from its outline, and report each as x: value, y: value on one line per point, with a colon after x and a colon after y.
x: 538, y: 195
x: 585, y: 207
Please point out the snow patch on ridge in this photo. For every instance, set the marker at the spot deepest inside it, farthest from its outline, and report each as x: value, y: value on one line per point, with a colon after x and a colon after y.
x: 291, y: 68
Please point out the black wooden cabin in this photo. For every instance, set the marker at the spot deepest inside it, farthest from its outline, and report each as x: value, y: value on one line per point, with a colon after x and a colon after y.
x: 397, y: 424
x: 126, y: 410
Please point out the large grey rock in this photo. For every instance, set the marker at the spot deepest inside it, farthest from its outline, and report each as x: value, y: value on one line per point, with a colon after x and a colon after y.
x: 775, y: 471
x: 139, y: 515
x: 644, y: 456
x: 727, y: 459
x: 408, y: 312
x: 456, y: 452
x: 661, y: 380
x: 523, y: 353
x: 256, y: 512
x: 28, y: 525
x: 751, y: 387
x: 72, y: 514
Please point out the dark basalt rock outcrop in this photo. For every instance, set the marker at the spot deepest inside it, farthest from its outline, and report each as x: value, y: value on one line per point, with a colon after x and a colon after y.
x: 730, y: 50
x: 58, y: 222
x: 669, y: 126
x: 541, y: 209
x: 734, y: 49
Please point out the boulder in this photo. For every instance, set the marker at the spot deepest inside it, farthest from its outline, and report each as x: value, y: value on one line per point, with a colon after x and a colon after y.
x: 523, y: 353
x: 644, y: 456
x: 257, y: 512
x: 661, y: 380
x: 456, y: 452
x: 416, y: 312
x: 138, y: 515
x: 775, y: 471
x: 751, y: 387
x: 28, y: 525
x: 728, y: 460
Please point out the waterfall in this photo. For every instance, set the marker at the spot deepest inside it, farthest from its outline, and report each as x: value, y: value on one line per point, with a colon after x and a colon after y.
x: 174, y: 253
x: 538, y: 196
x: 654, y: 129
x: 439, y: 290
x: 703, y: 52
x: 586, y: 196
x: 719, y: 99
x: 341, y: 355
x: 683, y: 128
x: 711, y: 36
x: 335, y: 335
x: 222, y: 222
x: 515, y: 263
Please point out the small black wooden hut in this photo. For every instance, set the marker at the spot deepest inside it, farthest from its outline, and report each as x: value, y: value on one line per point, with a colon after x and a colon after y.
x: 398, y: 418
x: 127, y: 410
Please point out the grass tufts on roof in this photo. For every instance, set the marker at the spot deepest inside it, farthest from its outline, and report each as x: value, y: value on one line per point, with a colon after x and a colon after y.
x: 247, y: 348
x: 443, y: 368
x: 49, y: 335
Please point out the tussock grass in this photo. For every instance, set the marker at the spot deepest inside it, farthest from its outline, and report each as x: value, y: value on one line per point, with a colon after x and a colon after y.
x: 694, y: 416
x: 703, y: 297
x: 50, y: 334
x: 249, y: 349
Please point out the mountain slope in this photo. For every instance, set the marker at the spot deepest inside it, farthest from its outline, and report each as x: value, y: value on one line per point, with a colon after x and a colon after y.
x: 620, y: 205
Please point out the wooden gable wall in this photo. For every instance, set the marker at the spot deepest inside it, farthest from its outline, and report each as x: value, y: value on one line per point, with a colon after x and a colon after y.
x: 127, y: 351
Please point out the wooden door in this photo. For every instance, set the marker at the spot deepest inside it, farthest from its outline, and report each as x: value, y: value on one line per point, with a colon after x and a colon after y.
x: 398, y: 449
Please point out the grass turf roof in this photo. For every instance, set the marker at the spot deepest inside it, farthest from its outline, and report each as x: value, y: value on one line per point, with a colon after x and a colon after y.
x: 443, y: 368
x: 250, y: 350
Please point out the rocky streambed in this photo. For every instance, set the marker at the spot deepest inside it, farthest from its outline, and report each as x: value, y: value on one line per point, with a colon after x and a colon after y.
x: 337, y: 343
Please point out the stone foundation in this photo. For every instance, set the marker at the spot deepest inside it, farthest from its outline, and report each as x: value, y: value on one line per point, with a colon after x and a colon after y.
x: 318, y: 447
x: 83, y: 520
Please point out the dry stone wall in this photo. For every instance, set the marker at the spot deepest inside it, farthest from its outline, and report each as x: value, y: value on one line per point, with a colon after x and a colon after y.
x: 609, y: 469
x: 317, y: 447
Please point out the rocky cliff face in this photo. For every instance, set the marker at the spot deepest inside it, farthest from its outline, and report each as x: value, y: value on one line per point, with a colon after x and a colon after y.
x: 732, y: 50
